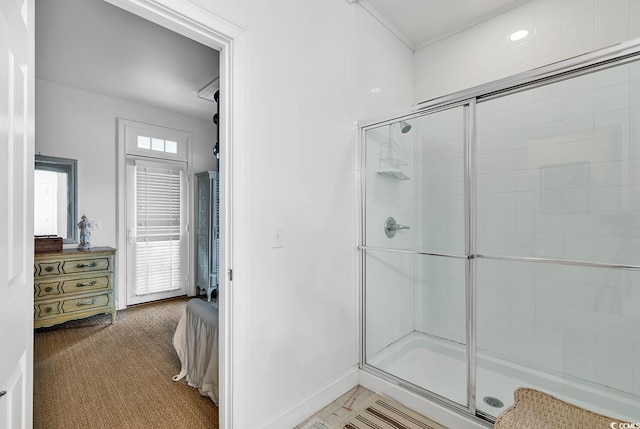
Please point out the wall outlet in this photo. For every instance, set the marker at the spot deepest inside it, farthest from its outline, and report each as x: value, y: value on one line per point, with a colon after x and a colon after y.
x: 276, y: 236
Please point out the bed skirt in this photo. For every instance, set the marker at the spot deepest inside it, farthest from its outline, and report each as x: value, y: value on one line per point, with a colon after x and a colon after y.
x: 196, y: 343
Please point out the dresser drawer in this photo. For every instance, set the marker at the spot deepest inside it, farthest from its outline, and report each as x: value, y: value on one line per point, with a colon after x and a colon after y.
x: 48, y: 268
x: 85, y: 284
x: 46, y: 289
x: 47, y: 309
x: 85, y: 265
x: 73, y: 284
x: 85, y: 303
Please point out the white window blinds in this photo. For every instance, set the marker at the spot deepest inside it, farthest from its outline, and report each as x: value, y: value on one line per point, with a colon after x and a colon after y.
x: 157, y: 265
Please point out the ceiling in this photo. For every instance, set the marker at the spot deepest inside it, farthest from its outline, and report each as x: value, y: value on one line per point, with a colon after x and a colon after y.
x: 421, y: 22
x: 97, y: 47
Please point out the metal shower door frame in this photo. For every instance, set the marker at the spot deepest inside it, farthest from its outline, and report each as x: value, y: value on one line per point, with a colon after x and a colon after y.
x: 616, y: 55
x: 469, y: 135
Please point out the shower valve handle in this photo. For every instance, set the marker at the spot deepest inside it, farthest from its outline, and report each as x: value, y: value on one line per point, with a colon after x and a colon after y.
x: 391, y: 227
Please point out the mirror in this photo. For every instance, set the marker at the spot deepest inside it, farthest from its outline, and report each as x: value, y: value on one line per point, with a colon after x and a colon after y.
x: 55, y: 198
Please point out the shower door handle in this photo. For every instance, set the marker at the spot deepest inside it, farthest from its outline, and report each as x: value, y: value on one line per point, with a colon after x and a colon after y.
x: 391, y: 227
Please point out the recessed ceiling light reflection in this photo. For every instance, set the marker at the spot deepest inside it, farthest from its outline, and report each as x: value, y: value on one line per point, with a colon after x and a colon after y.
x: 518, y: 35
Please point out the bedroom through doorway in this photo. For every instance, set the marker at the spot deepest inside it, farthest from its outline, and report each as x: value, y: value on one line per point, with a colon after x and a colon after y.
x: 88, y: 79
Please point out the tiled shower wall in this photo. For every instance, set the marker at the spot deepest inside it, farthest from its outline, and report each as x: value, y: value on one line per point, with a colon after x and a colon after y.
x: 440, y: 281
x: 558, y: 29
x: 558, y: 176
x: 390, y: 276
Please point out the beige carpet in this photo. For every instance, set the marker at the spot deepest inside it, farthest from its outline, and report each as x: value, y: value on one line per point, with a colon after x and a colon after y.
x: 383, y: 413
x: 91, y: 374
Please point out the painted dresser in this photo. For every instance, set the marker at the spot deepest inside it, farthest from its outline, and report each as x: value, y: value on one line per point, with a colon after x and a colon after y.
x: 73, y: 284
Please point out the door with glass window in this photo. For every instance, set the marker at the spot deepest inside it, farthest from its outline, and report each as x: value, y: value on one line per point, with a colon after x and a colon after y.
x: 157, y: 248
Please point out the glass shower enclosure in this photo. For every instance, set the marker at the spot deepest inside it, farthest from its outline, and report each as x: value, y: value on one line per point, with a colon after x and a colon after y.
x: 500, y: 242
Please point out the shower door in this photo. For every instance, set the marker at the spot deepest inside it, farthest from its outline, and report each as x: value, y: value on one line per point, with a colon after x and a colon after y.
x: 416, y: 252
x: 501, y: 242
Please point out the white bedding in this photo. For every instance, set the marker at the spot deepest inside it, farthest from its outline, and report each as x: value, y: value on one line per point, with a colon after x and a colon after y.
x: 196, y: 343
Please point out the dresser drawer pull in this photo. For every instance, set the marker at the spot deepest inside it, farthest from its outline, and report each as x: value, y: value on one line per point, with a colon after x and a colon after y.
x: 87, y: 302
x: 48, y: 289
x: 49, y: 269
x: 93, y: 264
x: 91, y: 283
x: 48, y: 309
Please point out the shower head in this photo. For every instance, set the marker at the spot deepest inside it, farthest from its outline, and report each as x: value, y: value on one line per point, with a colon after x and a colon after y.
x: 404, y: 127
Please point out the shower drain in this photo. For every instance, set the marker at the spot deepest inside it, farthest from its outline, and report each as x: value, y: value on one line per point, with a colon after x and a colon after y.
x: 493, y: 402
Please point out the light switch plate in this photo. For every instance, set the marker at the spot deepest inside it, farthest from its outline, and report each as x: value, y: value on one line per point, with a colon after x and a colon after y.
x: 276, y: 236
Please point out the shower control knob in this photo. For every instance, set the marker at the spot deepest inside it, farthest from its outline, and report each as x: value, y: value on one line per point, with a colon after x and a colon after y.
x: 391, y: 227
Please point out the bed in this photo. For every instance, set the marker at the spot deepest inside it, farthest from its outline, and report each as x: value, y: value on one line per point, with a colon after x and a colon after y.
x: 196, y: 343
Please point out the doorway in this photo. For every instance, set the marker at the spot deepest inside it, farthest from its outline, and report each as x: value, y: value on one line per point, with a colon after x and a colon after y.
x: 217, y: 34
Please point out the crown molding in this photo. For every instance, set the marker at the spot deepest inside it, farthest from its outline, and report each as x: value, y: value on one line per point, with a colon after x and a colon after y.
x: 472, y: 23
x: 385, y: 22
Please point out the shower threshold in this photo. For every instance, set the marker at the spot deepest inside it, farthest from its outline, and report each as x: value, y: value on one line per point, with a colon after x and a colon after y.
x: 439, y: 366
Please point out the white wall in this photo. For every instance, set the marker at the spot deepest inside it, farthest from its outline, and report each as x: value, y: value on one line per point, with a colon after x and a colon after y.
x: 558, y: 29
x: 296, y: 307
x: 306, y: 71
x: 76, y: 124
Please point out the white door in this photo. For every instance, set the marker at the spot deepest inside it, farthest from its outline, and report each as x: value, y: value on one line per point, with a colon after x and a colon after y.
x: 157, y: 239
x: 16, y: 213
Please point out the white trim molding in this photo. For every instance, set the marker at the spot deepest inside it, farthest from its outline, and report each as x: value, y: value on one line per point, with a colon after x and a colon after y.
x: 191, y: 20
x: 315, y: 401
x: 206, y: 26
x: 385, y: 22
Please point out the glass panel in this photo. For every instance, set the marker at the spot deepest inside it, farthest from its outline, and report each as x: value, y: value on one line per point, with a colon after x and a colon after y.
x: 415, y: 320
x: 559, y: 170
x: 571, y: 331
x: 171, y: 146
x: 415, y: 174
x: 157, y: 144
x: 144, y: 142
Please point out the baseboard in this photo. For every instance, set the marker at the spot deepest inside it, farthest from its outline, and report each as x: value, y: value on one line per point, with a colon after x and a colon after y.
x: 316, y: 401
x: 427, y: 408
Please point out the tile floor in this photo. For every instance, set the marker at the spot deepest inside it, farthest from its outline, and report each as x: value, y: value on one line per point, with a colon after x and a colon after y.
x: 341, y: 407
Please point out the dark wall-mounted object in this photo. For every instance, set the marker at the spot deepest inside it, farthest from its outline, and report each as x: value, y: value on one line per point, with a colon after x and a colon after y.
x: 216, y: 120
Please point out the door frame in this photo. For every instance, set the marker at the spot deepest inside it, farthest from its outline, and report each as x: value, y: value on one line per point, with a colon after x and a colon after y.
x: 205, y: 26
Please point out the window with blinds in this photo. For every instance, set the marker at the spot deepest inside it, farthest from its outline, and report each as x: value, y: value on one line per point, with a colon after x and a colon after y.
x: 156, y: 256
